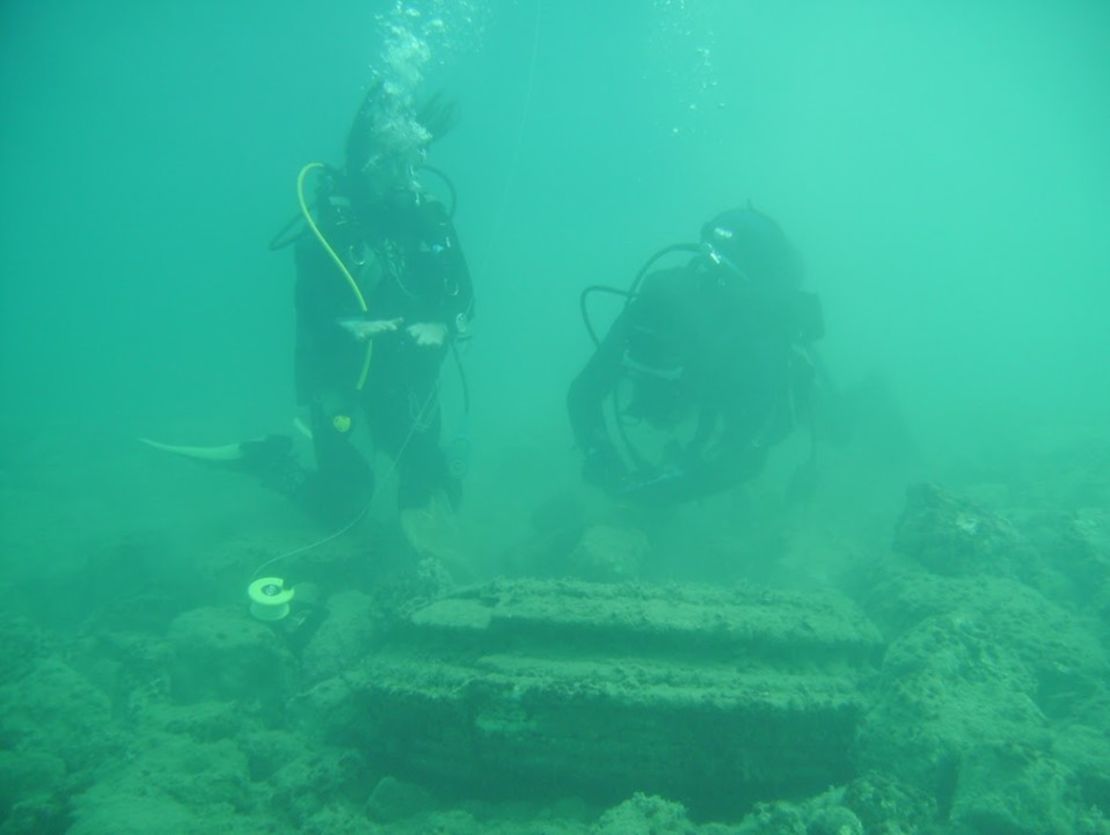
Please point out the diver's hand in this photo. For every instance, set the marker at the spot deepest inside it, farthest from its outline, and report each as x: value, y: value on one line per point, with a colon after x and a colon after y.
x: 362, y: 329
x: 428, y: 334
x: 663, y: 486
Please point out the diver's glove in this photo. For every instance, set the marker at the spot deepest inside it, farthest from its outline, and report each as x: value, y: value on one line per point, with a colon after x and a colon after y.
x: 604, y: 469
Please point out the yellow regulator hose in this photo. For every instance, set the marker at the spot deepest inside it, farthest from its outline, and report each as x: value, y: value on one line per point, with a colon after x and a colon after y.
x: 338, y: 262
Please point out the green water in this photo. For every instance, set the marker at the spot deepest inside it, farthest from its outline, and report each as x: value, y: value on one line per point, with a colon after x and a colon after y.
x: 941, y: 166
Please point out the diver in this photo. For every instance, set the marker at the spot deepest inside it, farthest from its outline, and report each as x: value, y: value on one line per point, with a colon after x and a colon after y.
x: 710, y: 362
x: 382, y: 295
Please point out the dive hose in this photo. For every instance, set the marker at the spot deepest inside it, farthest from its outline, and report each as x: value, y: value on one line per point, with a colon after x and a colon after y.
x: 637, y: 458
x: 338, y: 262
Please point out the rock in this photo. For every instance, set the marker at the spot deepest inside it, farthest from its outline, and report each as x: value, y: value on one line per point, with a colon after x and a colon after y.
x: 108, y: 813
x: 1079, y: 542
x: 1086, y: 750
x: 225, y: 654
x: 318, y: 779
x: 970, y: 698
x: 171, y: 784
x: 433, y: 533
x: 774, y: 819
x: 834, y: 820
x: 886, y: 807
x: 268, y: 751
x: 345, y: 635
x: 54, y: 709
x: 393, y: 800
x: 645, y: 815
x: 609, y: 554
x: 340, y: 819
x: 951, y: 536
x: 199, y: 721
x: 197, y: 774
x: 945, y: 688
x: 133, y: 666
x: 1014, y: 788
x: 36, y: 814
x: 827, y: 813
x: 701, y: 695
x: 329, y: 711
x: 29, y: 779
x: 22, y: 645
x: 1066, y: 662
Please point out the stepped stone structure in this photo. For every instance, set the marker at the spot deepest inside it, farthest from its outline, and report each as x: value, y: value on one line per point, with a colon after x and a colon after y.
x: 714, y: 697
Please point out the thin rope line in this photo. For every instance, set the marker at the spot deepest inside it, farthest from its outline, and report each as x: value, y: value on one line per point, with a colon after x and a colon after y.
x: 391, y: 473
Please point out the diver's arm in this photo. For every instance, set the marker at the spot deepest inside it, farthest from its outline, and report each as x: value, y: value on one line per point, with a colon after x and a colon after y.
x: 736, y: 459
x: 725, y: 466
x: 363, y: 329
x: 593, y: 384
x: 428, y: 334
x: 452, y: 320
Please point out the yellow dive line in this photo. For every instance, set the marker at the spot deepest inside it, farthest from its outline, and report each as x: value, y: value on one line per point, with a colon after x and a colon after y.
x: 338, y: 262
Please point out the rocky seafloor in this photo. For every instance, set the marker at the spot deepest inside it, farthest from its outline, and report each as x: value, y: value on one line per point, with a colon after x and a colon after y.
x: 952, y: 678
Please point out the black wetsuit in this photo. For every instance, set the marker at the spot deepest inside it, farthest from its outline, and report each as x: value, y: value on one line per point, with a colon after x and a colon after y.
x: 696, y: 343
x: 408, y: 265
